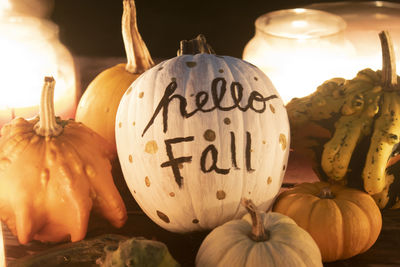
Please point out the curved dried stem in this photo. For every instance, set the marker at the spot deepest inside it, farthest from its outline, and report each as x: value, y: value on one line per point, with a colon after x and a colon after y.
x: 47, y: 125
x: 137, y: 54
x: 389, y: 76
x: 258, y: 232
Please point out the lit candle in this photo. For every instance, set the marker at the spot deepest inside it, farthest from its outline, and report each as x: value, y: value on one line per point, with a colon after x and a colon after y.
x: 2, y: 253
x: 299, y: 49
x: 30, y: 50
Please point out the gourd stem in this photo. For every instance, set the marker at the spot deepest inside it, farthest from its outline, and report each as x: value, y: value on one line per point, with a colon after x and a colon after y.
x: 258, y: 232
x: 47, y: 125
x: 326, y: 192
x: 138, y: 56
x: 197, y: 45
x: 389, y: 76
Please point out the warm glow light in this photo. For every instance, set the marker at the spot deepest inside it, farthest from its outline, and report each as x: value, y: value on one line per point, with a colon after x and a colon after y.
x: 29, y: 51
x: 299, y: 23
x: 300, y: 50
x: 4, y: 6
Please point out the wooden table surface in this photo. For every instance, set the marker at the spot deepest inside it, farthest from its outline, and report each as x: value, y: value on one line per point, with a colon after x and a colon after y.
x: 183, y: 247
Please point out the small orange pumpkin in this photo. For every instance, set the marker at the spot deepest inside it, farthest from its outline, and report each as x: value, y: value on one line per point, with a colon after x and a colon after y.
x: 344, y: 222
x: 98, y: 105
x: 52, y: 174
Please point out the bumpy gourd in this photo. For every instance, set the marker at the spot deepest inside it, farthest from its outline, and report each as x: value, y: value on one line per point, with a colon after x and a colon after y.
x: 198, y: 132
x: 259, y: 239
x: 138, y: 252
x: 350, y: 127
x: 53, y: 173
x: 343, y: 221
x: 99, y: 103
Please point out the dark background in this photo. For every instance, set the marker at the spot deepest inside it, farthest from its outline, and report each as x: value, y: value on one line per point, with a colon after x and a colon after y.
x: 93, y: 27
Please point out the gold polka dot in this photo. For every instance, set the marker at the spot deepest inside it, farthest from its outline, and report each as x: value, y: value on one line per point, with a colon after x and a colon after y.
x: 209, y: 135
x: 151, y: 147
x: 269, y: 180
x: 120, y: 124
x: 191, y: 64
x: 284, y: 167
x: 255, y: 78
x: 282, y: 141
x: 141, y: 94
x: 195, y: 221
x: 220, y: 70
x: 147, y: 181
x: 172, y: 194
x: 162, y: 216
x: 221, y: 194
x: 264, y: 142
x: 130, y: 158
x: 133, y: 123
x: 160, y: 68
x: 249, y: 192
x: 227, y: 121
x: 129, y: 90
x: 271, y: 107
x: 134, y: 191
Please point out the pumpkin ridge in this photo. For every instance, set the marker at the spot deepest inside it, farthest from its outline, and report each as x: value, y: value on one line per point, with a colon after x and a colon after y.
x: 232, y: 245
x: 362, y: 206
x: 291, y: 249
x: 363, y: 247
x: 339, y: 248
x: 228, y: 73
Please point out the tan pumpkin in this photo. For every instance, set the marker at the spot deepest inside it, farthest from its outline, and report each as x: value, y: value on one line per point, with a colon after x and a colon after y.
x: 99, y: 103
x: 259, y: 239
x: 53, y: 173
x: 344, y: 222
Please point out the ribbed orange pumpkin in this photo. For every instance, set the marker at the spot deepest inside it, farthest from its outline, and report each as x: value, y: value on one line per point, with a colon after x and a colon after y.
x: 99, y: 103
x: 344, y: 222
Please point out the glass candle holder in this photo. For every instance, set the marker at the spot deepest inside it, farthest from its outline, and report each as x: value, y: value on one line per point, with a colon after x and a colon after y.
x: 364, y: 22
x: 30, y: 51
x: 298, y: 49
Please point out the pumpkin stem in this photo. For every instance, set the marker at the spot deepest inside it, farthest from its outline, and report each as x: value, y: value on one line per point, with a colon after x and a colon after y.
x: 197, y: 45
x: 137, y: 54
x: 326, y: 192
x: 258, y: 232
x: 47, y: 125
x: 389, y: 76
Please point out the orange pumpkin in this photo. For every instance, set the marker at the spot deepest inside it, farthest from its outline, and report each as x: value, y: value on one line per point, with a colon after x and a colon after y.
x: 98, y: 105
x: 52, y: 174
x: 344, y: 222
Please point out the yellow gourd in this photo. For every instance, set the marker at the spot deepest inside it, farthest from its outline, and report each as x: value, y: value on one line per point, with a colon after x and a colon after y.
x: 350, y: 130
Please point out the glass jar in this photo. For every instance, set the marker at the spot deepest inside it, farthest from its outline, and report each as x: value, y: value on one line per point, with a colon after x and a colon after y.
x: 30, y: 51
x: 298, y: 49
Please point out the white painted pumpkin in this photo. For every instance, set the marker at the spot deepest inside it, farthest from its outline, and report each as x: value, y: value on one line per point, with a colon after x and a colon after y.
x: 198, y: 132
x: 259, y: 239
